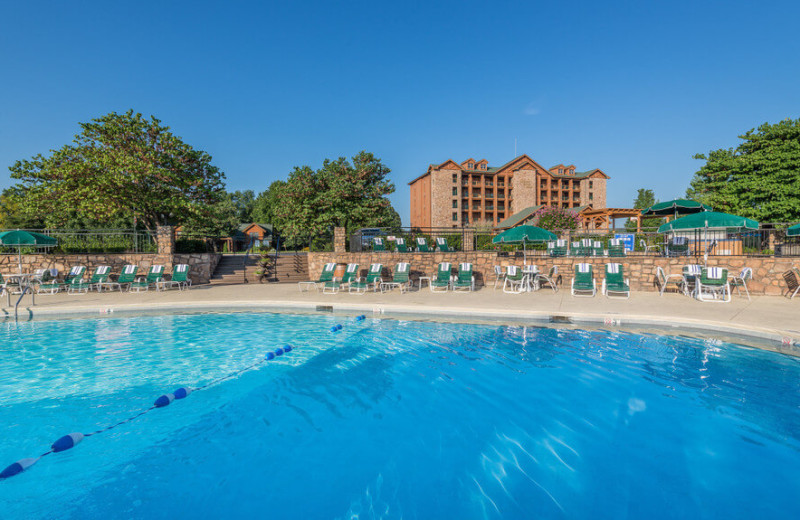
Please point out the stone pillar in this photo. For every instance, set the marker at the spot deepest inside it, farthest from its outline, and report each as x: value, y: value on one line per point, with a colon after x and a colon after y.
x: 165, y: 238
x: 339, y: 240
x: 468, y: 240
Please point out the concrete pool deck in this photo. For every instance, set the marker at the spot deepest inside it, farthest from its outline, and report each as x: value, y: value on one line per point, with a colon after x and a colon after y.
x: 771, y: 318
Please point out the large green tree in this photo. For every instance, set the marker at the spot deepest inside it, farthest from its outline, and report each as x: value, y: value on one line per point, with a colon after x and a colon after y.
x: 267, y: 203
x: 121, y: 167
x: 340, y: 193
x: 644, y: 199
x: 758, y: 179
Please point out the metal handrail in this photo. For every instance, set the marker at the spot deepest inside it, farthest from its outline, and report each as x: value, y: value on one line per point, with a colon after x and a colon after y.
x: 247, y: 257
x: 16, y: 306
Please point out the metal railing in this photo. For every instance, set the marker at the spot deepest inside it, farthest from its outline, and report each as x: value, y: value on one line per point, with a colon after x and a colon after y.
x: 91, y: 241
x: 767, y: 241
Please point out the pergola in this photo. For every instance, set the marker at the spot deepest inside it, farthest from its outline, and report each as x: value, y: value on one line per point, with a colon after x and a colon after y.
x: 600, y: 218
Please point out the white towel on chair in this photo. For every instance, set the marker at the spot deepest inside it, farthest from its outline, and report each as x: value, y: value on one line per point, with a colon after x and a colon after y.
x: 400, y: 241
x: 714, y: 273
x: 375, y: 268
x: 402, y: 267
x: 129, y: 269
x: 511, y: 270
x: 678, y: 241
x: 584, y: 268
x: 156, y: 269
x: 330, y: 266
x: 440, y: 241
x: 182, y: 267
x: 561, y: 243
x: 444, y: 266
x: 694, y: 269
x: 351, y: 267
x: 75, y: 270
x: 613, y: 268
x: 379, y: 241
x: 615, y: 242
x: 103, y: 269
x: 466, y: 266
x: 421, y: 241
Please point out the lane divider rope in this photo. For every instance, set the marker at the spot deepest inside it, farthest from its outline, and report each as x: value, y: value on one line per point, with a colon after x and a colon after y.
x: 73, y: 439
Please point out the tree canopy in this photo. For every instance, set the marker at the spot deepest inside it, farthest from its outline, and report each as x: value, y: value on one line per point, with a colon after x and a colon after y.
x: 266, y: 204
x: 121, y: 167
x: 758, y: 179
x: 340, y: 193
x: 644, y: 199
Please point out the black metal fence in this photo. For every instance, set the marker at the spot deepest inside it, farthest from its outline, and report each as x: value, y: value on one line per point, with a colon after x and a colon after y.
x: 91, y: 241
x: 770, y: 240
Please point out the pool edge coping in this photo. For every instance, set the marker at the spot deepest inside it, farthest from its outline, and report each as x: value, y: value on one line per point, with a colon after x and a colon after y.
x: 786, y: 342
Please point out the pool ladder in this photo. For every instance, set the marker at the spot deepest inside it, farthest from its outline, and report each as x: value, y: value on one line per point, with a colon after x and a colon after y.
x: 19, y: 300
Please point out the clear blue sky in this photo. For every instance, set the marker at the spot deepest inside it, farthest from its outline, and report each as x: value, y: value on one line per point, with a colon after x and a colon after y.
x: 633, y: 88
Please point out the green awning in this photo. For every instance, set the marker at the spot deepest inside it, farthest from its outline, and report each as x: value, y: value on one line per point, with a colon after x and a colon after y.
x: 26, y: 238
x: 523, y: 234
x: 708, y: 219
x: 674, y: 208
x: 794, y: 231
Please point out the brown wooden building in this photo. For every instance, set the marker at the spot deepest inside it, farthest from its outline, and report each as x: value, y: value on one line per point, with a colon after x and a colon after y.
x: 454, y: 194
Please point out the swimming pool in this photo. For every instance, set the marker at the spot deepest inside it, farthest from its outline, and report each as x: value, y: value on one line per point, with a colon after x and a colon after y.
x: 393, y: 419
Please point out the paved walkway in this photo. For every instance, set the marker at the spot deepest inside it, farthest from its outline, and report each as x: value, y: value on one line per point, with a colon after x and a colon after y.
x: 772, y: 318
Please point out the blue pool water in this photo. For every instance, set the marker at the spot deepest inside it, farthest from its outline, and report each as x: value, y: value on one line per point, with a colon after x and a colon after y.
x: 393, y: 419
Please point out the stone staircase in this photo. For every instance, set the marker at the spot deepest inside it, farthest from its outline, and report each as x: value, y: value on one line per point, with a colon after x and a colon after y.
x: 232, y: 269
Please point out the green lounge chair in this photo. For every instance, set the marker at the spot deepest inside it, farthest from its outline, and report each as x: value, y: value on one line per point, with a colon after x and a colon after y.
x: 713, y: 286
x: 179, y: 278
x: 441, y: 245
x: 422, y: 245
x: 378, y: 245
x: 73, y: 281
x: 514, y: 281
x: 678, y: 246
x: 550, y: 279
x: 615, y: 285
x: 325, y: 276
x: 126, y: 277
x: 616, y: 248
x: 597, y: 248
x: 740, y: 282
x: 443, y: 278
x: 586, y: 247
x: 575, y: 249
x: 47, y: 283
x: 154, y: 276
x: 464, y: 279
x: 349, y: 276
x: 99, y: 276
x: 400, y: 278
x: 401, y: 246
x: 583, y: 282
x: 690, y: 274
x: 557, y: 248
x: 372, y: 281
x: 2, y: 285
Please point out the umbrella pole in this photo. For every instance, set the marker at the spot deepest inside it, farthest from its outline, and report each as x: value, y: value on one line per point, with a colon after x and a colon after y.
x: 19, y: 259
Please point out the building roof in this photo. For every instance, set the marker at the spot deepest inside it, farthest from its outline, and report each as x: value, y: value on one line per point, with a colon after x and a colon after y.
x: 496, y: 169
x: 518, y: 218
x: 244, y: 227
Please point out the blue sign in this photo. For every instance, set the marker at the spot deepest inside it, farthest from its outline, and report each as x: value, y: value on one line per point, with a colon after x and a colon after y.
x: 628, y: 239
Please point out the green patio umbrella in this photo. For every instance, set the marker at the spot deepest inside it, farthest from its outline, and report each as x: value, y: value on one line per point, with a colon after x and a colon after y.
x: 673, y: 208
x: 21, y: 238
x: 524, y: 235
x: 793, y: 231
x: 708, y: 220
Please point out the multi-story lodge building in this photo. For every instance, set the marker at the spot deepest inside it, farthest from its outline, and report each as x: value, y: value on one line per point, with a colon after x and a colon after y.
x: 454, y: 195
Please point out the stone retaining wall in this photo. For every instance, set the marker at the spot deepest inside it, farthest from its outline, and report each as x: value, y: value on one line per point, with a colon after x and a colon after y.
x: 201, y: 265
x: 641, y: 270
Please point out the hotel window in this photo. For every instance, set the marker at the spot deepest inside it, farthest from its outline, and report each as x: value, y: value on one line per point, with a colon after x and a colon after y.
x: 455, y: 191
x: 590, y: 184
x: 591, y: 196
x: 470, y: 166
x: 561, y: 170
x: 455, y: 217
x: 455, y: 204
x: 455, y: 177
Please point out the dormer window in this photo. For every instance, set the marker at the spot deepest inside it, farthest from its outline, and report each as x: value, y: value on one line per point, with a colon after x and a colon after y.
x: 561, y: 170
x: 470, y: 166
